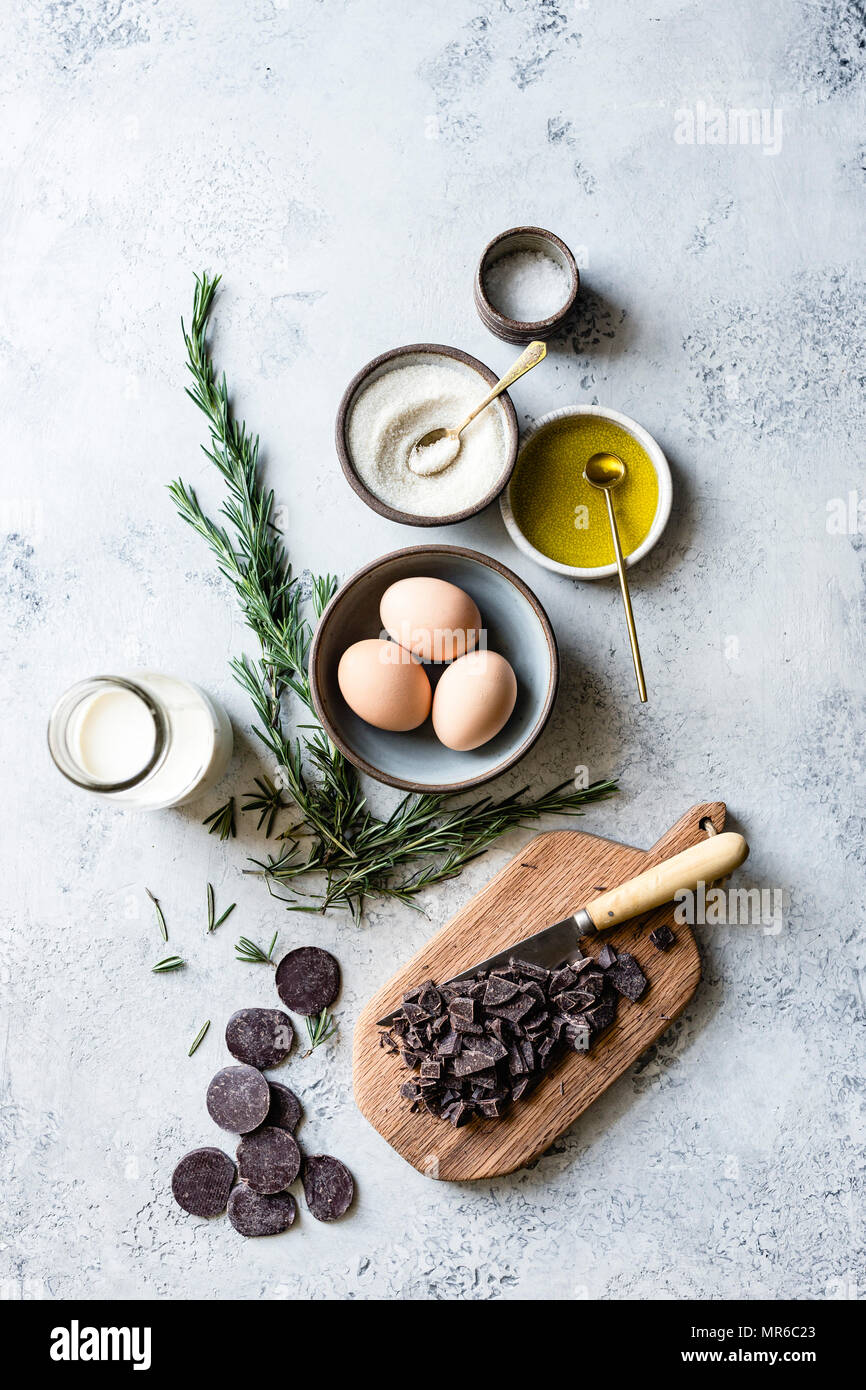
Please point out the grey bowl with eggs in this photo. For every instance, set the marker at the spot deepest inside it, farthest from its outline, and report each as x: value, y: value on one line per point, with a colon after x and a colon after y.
x: 514, y: 626
x: 392, y: 401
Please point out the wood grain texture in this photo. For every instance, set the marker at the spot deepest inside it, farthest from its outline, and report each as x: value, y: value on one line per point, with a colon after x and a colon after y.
x: 554, y: 875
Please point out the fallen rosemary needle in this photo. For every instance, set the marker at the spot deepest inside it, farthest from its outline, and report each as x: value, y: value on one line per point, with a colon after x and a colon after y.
x: 160, y: 916
x: 169, y: 963
x: 199, y: 1037
x: 251, y: 954
x: 222, y: 821
x: 320, y: 1027
x: 213, y: 923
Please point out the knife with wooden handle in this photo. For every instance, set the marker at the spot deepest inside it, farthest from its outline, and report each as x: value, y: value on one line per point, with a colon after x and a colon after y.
x: 712, y: 859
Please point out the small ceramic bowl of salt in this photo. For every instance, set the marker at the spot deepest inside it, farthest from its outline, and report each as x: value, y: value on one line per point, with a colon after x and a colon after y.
x: 525, y: 285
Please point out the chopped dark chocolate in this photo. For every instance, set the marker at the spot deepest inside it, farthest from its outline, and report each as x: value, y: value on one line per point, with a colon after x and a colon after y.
x: 485, y: 1041
x: 626, y: 976
x: 662, y: 938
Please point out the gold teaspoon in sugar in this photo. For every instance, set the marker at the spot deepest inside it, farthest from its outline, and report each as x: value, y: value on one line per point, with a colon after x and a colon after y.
x: 437, y: 449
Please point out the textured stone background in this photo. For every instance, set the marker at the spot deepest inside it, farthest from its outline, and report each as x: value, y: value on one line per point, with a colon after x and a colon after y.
x: 343, y: 163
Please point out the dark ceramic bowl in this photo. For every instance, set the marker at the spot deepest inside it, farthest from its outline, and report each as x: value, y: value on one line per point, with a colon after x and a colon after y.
x: 524, y: 239
x: 403, y: 357
x: 517, y: 627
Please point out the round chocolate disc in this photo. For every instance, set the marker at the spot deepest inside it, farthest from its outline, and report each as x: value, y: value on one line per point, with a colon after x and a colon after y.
x: 202, y: 1181
x: 269, y: 1159
x: 285, y: 1111
x: 308, y: 980
x: 328, y: 1186
x: 259, y: 1037
x: 238, y: 1099
x: 260, y: 1214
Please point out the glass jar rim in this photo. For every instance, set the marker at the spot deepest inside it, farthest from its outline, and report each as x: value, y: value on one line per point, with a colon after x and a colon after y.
x: 160, y: 729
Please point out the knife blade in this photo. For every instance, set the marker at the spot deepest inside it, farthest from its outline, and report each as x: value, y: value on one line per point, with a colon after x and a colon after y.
x: 713, y: 859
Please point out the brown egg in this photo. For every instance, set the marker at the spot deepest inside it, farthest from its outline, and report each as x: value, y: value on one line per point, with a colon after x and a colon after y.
x: 432, y: 618
x: 473, y: 700
x: 384, y: 684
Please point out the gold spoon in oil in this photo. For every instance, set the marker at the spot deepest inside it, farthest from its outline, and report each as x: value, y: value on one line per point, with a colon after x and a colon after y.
x: 425, y: 459
x: 606, y: 471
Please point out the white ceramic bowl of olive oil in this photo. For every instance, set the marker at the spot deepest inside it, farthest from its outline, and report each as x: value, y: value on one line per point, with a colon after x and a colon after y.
x: 653, y: 452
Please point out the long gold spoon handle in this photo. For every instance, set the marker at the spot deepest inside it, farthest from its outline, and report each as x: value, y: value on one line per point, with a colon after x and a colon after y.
x: 626, y: 598
x: 535, y: 353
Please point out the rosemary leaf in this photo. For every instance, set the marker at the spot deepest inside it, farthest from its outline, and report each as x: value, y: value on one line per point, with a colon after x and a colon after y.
x: 320, y: 1027
x: 210, y: 907
x: 199, y: 1037
x: 228, y: 912
x: 251, y: 954
x: 160, y: 916
x: 169, y: 963
x: 222, y: 821
x: 268, y: 800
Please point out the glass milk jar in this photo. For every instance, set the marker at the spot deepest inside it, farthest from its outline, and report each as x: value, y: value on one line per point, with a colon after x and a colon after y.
x: 144, y: 740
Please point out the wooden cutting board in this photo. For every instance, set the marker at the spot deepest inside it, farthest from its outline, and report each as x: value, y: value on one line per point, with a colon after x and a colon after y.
x: 554, y: 875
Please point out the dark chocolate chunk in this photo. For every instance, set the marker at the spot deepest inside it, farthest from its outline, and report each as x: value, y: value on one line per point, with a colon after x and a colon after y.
x: 606, y: 956
x: 626, y: 976
x: 462, y: 1013
x: 328, y: 1187
x: 562, y: 979
x: 238, y: 1098
x: 269, y: 1159
x: 202, y: 1181
x: 259, y: 1037
x: 308, y: 980
x: 259, y: 1214
x: 662, y: 938
x: 602, y: 1015
x: 529, y: 971
x: 430, y: 999
x: 285, y: 1109
x: 498, y: 991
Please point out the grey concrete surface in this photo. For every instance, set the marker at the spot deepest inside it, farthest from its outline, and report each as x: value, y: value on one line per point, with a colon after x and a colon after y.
x: 343, y: 163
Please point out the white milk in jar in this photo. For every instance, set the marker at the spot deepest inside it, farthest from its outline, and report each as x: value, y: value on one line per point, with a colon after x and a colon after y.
x: 145, y: 740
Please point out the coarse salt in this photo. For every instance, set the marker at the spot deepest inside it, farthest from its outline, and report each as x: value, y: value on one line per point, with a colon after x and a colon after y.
x: 527, y: 286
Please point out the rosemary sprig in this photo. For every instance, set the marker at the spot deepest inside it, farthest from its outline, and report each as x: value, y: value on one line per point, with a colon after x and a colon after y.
x: 320, y: 1027
x: 268, y: 801
x: 169, y: 963
x: 199, y: 1037
x: 160, y: 915
x: 222, y: 821
x: 339, y: 852
x: 212, y: 924
x: 251, y: 954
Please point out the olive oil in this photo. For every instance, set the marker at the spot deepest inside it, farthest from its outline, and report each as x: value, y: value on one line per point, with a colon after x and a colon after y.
x: 560, y: 513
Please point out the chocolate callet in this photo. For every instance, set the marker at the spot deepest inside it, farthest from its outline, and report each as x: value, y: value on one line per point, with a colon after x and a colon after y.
x: 238, y: 1099
x: 202, y: 1181
x: 328, y: 1187
x: 308, y: 980
x: 259, y: 1037
x: 662, y: 938
x: 626, y: 976
x: 285, y: 1109
x: 259, y: 1214
x: 269, y: 1160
